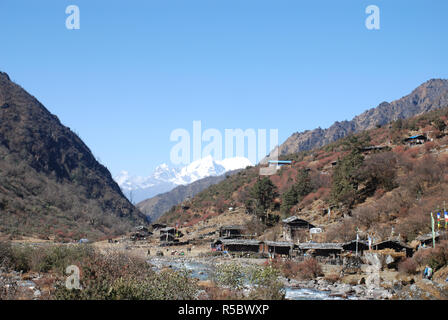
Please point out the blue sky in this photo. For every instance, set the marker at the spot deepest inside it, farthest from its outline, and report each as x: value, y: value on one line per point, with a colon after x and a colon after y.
x: 136, y: 70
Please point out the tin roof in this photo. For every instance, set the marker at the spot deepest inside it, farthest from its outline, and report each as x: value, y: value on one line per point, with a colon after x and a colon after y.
x: 293, y: 218
x: 404, y: 245
x: 279, y: 243
x: 320, y: 246
x: 241, y: 242
x: 233, y: 227
x: 427, y: 236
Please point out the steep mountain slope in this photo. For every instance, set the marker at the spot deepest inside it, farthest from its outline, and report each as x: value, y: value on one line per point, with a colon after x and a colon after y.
x: 431, y: 95
x: 50, y: 182
x: 164, y: 178
x: 377, y: 182
x: 158, y: 205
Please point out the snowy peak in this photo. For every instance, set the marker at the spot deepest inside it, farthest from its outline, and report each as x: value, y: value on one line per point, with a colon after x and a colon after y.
x: 164, y: 178
x: 200, y: 169
x: 235, y: 163
x: 164, y: 172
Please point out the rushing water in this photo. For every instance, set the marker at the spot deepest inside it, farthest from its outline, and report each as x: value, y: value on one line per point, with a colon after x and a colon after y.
x: 203, y: 271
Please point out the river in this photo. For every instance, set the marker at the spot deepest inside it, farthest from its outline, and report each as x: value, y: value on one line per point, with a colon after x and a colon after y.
x: 204, y: 269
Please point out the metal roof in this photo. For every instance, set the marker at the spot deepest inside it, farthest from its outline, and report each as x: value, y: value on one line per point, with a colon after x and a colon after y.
x: 241, y: 242
x: 427, y: 236
x: 293, y: 218
x: 394, y: 241
x: 354, y: 241
x: 280, y: 161
x: 328, y: 246
x: 416, y: 137
x: 234, y: 227
x: 279, y: 243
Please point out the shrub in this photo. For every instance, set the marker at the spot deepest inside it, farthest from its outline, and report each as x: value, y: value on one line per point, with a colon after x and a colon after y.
x: 229, y: 275
x: 309, y: 269
x: 332, y: 278
x: 289, y: 268
x: 6, y: 255
x: 55, y: 258
x: 266, y: 284
x: 408, y: 266
x: 119, y: 276
x: 436, y: 257
x: 263, y: 281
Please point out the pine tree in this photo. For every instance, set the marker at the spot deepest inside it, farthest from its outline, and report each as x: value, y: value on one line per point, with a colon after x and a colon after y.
x: 300, y: 189
x: 303, y: 184
x: 289, y: 199
x: 346, y: 178
x: 264, y: 192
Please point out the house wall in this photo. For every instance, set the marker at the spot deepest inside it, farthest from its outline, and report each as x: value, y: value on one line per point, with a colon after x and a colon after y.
x: 242, y: 248
x: 278, y: 250
x: 230, y: 233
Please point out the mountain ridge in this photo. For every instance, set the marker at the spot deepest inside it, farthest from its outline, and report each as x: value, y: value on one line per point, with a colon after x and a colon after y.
x: 430, y: 95
x: 156, y: 206
x: 50, y: 182
x: 165, y: 178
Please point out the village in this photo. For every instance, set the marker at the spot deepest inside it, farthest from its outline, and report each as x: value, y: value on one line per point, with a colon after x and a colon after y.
x: 365, y: 266
x: 365, y: 269
x: 297, y: 242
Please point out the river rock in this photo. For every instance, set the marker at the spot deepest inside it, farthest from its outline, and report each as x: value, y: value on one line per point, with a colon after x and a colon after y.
x: 379, y: 294
x: 322, y: 282
x: 359, y: 290
x: 37, y: 293
x: 389, y: 259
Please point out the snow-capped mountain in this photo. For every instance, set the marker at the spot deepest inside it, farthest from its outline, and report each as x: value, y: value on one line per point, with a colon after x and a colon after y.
x: 165, y: 178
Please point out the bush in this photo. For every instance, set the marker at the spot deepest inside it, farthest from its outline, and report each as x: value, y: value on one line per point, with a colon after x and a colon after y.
x: 55, y: 258
x: 309, y: 269
x: 6, y: 255
x: 21, y: 258
x: 168, y: 285
x: 229, y: 275
x: 118, y: 276
x: 289, y: 268
x: 267, y: 285
x: 263, y: 281
x: 436, y: 257
x: 408, y: 266
x: 332, y: 278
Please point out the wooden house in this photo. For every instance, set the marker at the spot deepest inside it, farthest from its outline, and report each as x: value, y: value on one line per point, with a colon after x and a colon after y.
x: 351, y: 246
x: 241, y: 245
x: 231, y: 232
x: 396, y: 245
x: 320, y: 249
x: 157, y: 226
x: 294, y: 228
x: 426, y: 239
x: 167, y: 237
x: 278, y: 247
x: 417, y: 139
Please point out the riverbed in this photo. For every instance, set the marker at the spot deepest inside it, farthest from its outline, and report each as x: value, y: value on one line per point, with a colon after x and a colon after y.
x: 203, y: 269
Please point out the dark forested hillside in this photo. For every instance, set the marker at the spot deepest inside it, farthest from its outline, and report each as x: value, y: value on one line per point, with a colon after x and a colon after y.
x: 50, y: 182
